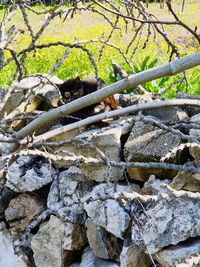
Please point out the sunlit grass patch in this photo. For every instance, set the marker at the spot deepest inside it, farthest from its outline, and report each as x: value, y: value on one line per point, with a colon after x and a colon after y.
x: 90, y: 26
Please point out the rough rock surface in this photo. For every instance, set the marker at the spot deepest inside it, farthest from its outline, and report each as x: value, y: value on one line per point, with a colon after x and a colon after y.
x: 22, y: 210
x: 94, y: 144
x: 108, y: 213
x: 183, y: 255
x: 169, y: 115
x: 195, y: 152
x: 191, y: 110
x: 133, y: 256
x: 27, y: 174
x: 103, y: 244
x: 169, y: 218
x: 55, y: 241
x: 104, y: 214
x: 186, y: 181
x: 8, y: 258
x: 90, y: 260
x: 58, y: 199
x: 195, y: 119
x: 195, y: 134
x: 5, y: 196
x: 126, y: 100
x: 68, y: 189
x: 148, y: 143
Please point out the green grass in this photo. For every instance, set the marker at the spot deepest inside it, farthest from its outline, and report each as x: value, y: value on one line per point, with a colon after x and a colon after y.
x: 90, y: 26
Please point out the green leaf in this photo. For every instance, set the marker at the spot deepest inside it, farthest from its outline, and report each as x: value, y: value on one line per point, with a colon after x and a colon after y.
x: 144, y: 63
x: 153, y: 63
x: 163, y: 81
x: 136, y: 69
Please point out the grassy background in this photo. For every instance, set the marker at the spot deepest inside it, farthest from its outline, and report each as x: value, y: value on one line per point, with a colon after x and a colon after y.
x: 87, y: 26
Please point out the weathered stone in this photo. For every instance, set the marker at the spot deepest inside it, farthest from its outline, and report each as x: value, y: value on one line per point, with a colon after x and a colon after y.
x: 65, y: 193
x: 186, y: 181
x: 126, y: 100
x: 149, y: 143
x: 28, y: 95
x: 50, y: 96
x: 193, y: 262
x: 195, y: 152
x: 191, y: 110
x: 183, y: 255
x: 133, y: 256
x: 5, y: 197
x: 167, y: 217
x: 195, y: 134
x: 8, y: 258
x: 2, y: 226
x: 55, y: 241
x: 22, y: 210
x: 15, y: 96
x: 109, y: 213
x: 90, y: 260
x: 169, y: 115
x: 103, y: 244
x: 89, y: 144
x: 195, y: 119
x: 28, y: 174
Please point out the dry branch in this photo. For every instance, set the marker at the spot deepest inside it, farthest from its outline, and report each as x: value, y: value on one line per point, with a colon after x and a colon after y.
x: 168, y: 69
x: 77, y: 160
x: 111, y: 114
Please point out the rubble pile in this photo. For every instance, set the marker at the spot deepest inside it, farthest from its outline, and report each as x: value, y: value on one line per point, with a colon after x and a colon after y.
x: 85, y: 202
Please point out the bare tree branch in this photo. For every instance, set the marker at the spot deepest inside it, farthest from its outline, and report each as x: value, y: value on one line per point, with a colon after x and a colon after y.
x: 168, y: 69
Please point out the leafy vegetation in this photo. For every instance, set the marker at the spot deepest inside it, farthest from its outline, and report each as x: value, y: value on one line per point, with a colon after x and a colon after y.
x: 88, y: 26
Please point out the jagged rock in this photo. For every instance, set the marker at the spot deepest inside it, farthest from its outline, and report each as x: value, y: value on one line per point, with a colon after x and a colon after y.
x: 164, y: 217
x: 55, y: 241
x: 195, y: 119
x: 195, y: 152
x: 22, y: 210
x: 65, y: 194
x: 23, y: 94
x: 90, y: 260
x: 126, y: 100
x: 108, y: 213
x: 5, y: 193
x: 148, y: 143
x: 15, y: 95
x: 103, y: 244
x: 186, y: 181
x: 133, y: 256
x: 89, y: 144
x: 195, y: 134
x: 5, y: 197
x: 191, y: 110
x: 50, y: 94
x: 183, y: 255
x: 31, y: 93
x: 28, y: 174
x: 8, y: 258
x: 2, y: 226
x: 169, y: 115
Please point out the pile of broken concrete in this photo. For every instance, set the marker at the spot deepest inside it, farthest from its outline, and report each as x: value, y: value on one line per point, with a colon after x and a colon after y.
x: 83, y: 204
